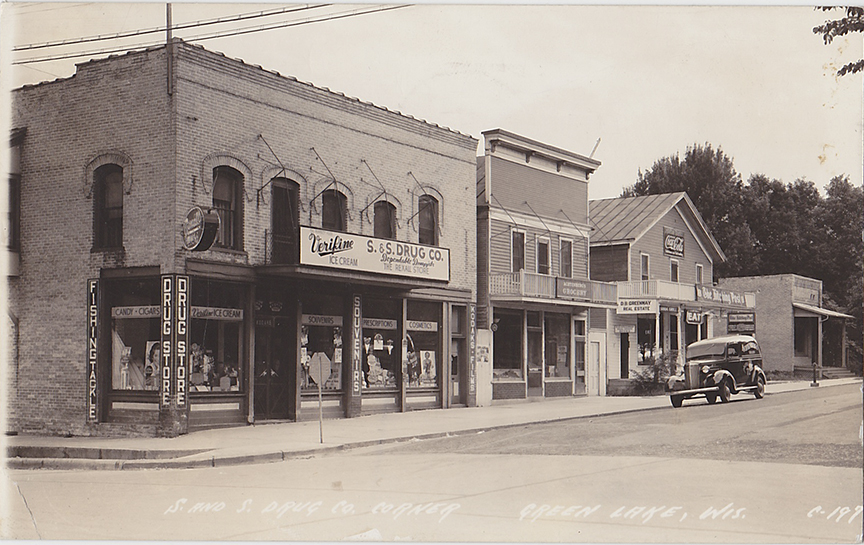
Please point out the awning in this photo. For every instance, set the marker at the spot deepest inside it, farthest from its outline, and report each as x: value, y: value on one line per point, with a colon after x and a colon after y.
x: 820, y: 311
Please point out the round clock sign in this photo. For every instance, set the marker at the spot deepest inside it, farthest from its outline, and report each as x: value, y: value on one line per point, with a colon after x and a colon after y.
x: 199, y: 229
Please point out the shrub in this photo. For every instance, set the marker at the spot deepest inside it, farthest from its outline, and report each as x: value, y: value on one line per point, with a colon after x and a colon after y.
x: 650, y: 377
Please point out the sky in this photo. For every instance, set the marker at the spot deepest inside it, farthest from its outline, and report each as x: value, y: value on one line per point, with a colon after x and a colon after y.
x: 629, y: 83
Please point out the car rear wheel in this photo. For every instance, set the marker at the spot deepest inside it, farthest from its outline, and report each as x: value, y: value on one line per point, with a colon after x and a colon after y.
x: 712, y: 398
x: 677, y: 401
x: 759, y: 392
x: 725, y: 393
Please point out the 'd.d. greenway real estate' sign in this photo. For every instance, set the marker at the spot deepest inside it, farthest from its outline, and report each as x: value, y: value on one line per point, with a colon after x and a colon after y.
x: 358, y: 253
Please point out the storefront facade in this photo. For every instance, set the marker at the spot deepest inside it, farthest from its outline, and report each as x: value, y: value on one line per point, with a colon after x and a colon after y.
x: 533, y: 288
x: 661, y: 256
x: 801, y: 332
x: 274, y: 251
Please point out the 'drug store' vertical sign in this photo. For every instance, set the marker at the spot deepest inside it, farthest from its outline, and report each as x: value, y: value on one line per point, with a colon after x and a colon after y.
x: 175, y: 333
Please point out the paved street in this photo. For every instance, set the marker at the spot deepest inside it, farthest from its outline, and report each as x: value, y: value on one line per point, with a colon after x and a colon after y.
x: 781, y: 469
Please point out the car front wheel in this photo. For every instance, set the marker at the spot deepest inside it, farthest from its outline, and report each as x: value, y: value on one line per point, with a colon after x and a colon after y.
x: 725, y: 394
x: 759, y: 392
x: 677, y: 401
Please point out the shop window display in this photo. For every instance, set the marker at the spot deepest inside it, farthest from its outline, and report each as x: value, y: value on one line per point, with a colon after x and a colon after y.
x: 507, y: 345
x: 322, y: 345
x: 557, y: 333
x: 216, y: 337
x: 135, y: 341
x: 382, y: 352
x: 422, y: 345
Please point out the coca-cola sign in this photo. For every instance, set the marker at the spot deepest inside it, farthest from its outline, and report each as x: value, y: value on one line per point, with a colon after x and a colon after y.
x: 673, y: 242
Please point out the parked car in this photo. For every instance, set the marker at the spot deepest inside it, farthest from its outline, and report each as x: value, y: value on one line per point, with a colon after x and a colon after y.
x: 718, y: 368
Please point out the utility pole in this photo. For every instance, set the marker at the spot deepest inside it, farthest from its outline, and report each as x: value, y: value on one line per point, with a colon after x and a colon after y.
x: 169, y: 49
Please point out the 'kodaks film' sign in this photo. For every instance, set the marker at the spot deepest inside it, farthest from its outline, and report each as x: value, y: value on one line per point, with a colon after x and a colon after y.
x: 358, y: 253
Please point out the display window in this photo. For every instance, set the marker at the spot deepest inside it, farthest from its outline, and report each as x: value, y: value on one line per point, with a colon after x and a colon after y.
x: 507, y: 345
x: 321, y: 344
x: 382, y: 352
x: 423, y: 345
x: 557, y: 332
x: 135, y: 341
x: 645, y: 328
x: 216, y: 347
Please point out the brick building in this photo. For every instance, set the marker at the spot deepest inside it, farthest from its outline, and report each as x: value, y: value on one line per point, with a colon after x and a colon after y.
x: 204, y: 242
x: 790, y: 322
x: 661, y: 255
x: 548, y: 320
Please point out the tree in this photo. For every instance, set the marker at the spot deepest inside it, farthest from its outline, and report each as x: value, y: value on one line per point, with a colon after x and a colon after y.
x: 852, y: 22
x: 709, y: 178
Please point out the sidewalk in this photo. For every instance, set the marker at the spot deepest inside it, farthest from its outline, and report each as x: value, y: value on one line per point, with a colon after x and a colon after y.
x: 262, y: 443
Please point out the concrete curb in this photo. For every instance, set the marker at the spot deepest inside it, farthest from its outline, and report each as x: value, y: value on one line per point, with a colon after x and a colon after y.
x: 139, y: 459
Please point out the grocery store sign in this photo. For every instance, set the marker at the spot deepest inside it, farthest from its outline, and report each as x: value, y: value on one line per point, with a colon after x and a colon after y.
x: 358, y: 253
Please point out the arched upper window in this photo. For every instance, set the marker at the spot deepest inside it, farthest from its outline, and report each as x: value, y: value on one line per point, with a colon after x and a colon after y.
x: 385, y: 220
x: 284, y: 220
x: 334, y: 210
x: 108, y: 206
x: 228, y: 204
x: 428, y: 219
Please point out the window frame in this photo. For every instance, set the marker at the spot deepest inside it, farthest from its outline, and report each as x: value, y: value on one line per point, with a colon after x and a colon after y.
x: 645, y: 266
x: 433, y: 215
x: 561, y: 260
x: 234, y: 212
x: 341, y: 204
x: 513, y: 233
x: 674, y: 271
x: 548, y: 265
x: 700, y: 274
x: 107, y: 230
x: 387, y: 219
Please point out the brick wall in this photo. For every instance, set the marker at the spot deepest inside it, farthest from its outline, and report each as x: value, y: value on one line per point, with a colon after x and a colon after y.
x: 222, y: 112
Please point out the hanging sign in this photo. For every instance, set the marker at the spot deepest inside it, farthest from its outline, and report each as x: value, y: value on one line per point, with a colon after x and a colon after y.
x: 358, y: 253
x: 694, y: 317
x: 200, y: 229
x: 673, y: 242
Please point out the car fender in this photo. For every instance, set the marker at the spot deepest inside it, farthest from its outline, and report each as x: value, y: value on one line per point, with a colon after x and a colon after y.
x: 758, y: 372
x: 721, y: 374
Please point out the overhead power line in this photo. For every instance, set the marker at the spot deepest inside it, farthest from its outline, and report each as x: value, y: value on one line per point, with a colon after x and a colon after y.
x: 225, y: 34
x: 143, y: 32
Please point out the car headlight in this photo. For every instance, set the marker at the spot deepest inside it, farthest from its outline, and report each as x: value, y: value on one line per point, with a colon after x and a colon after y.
x: 705, y: 369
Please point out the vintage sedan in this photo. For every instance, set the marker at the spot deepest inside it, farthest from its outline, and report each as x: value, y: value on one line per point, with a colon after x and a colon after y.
x: 717, y: 368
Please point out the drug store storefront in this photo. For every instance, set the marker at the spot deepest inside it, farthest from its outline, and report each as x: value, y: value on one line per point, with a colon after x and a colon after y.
x: 369, y: 325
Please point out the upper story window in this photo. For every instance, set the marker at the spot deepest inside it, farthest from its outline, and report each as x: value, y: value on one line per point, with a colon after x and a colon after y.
x: 673, y: 270
x: 228, y: 204
x: 645, y: 263
x: 517, y: 250
x: 566, y: 258
x: 543, y: 261
x: 385, y: 220
x: 14, y: 236
x: 334, y: 210
x: 699, y: 274
x: 428, y: 220
x: 108, y: 206
x: 284, y: 220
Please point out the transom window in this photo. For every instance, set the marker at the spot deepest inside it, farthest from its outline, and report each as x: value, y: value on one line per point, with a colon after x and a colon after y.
x: 108, y: 217
x: 228, y: 204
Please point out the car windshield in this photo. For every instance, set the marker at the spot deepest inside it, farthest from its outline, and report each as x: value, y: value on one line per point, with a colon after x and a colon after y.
x: 710, y: 350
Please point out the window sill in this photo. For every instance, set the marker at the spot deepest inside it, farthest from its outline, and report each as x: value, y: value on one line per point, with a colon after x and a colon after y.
x: 108, y: 250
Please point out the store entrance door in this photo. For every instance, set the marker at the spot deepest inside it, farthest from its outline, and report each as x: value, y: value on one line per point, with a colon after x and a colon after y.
x: 457, y: 357
x: 273, y: 384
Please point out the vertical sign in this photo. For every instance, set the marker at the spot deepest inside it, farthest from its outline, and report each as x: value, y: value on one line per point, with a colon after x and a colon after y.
x: 167, y: 340
x: 92, y: 348
x: 181, y: 339
x: 472, y: 346
x: 356, y: 342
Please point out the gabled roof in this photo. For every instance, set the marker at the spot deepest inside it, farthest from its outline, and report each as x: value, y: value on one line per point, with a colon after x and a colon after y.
x: 626, y: 219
